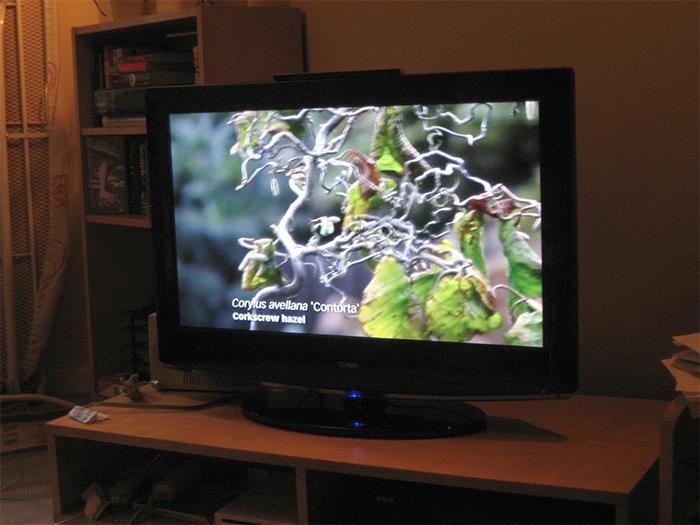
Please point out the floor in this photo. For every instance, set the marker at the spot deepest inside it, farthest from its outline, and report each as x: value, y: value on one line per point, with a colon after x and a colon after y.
x: 24, y: 488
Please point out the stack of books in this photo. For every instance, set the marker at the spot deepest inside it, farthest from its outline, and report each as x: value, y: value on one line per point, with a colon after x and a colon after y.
x: 685, y: 369
x: 123, y: 73
x: 116, y: 180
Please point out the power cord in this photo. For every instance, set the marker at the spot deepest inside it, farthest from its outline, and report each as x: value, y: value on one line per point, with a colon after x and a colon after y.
x: 38, y: 398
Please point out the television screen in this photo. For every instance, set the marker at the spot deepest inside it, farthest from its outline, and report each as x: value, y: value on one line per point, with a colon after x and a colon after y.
x: 410, y: 234
x: 417, y: 222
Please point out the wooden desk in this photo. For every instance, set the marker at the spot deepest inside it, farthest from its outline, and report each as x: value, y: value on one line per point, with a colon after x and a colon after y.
x: 593, y: 450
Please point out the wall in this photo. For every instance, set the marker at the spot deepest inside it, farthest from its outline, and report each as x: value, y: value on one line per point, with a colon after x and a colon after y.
x: 637, y: 104
x: 68, y: 360
x: 637, y: 131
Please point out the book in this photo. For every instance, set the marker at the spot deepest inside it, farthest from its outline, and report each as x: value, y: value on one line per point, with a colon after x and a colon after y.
x: 176, y: 60
x: 112, y: 55
x: 133, y: 168
x: 138, y: 175
x: 106, y: 176
x: 107, y: 63
x: 98, y: 69
x: 144, y: 191
x: 131, y: 101
x: 152, y: 78
x: 195, y: 62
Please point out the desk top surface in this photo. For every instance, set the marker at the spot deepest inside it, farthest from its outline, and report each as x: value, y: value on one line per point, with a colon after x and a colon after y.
x: 583, y: 447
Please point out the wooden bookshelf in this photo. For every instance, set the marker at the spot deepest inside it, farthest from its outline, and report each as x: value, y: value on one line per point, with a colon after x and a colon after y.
x: 234, y: 44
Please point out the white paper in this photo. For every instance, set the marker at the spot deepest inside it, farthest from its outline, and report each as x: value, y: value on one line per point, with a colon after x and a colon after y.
x: 86, y: 415
x: 691, y: 341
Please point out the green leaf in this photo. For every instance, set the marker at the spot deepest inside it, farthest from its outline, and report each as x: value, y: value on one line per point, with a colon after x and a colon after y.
x: 253, y: 126
x: 389, y: 308
x: 260, y: 269
x: 526, y: 330
x: 386, y: 142
x: 357, y: 205
x: 469, y: 227
x: 524, y: 265
x: 423, y: 284
x: 459, y: 307
x: 386, y: 185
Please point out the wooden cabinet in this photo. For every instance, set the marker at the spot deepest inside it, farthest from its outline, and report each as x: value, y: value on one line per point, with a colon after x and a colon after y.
x: 233, y: 44
x: 585, y: 459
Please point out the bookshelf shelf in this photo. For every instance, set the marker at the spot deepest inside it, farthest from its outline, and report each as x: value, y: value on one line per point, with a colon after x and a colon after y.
x: 170, y: 22
x: 133, y: 221
x: 125, y: 130
x: 117, y: 241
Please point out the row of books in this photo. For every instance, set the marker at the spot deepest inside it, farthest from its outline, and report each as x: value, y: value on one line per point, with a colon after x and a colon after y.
x: 123, y: 73
x: 116, y: 175
x: 121, y: 66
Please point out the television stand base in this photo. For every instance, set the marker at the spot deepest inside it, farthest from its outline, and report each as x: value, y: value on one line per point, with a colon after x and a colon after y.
x: 368, y: 417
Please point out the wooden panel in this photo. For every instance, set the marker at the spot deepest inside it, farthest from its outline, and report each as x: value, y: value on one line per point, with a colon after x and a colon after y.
x: 126, y: 130
x: 302, y: 496
x: 678, y: 463
x: 83, y: 60
x: 176, y: 20
x: 134, y: 221
x: 340, y: 498
x: 121, y: 275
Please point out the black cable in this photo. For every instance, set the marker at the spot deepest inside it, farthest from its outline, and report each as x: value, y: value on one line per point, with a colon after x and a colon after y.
x: 99, y: 8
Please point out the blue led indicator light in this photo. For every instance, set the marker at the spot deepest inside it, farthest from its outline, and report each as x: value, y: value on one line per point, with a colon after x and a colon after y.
x: 355, y: 394
x: 358, y: 424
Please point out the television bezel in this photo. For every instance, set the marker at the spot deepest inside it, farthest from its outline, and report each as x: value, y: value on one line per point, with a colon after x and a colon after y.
x: 370, y: 364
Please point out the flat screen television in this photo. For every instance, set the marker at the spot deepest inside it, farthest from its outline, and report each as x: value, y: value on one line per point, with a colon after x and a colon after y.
x: 376, y: 244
